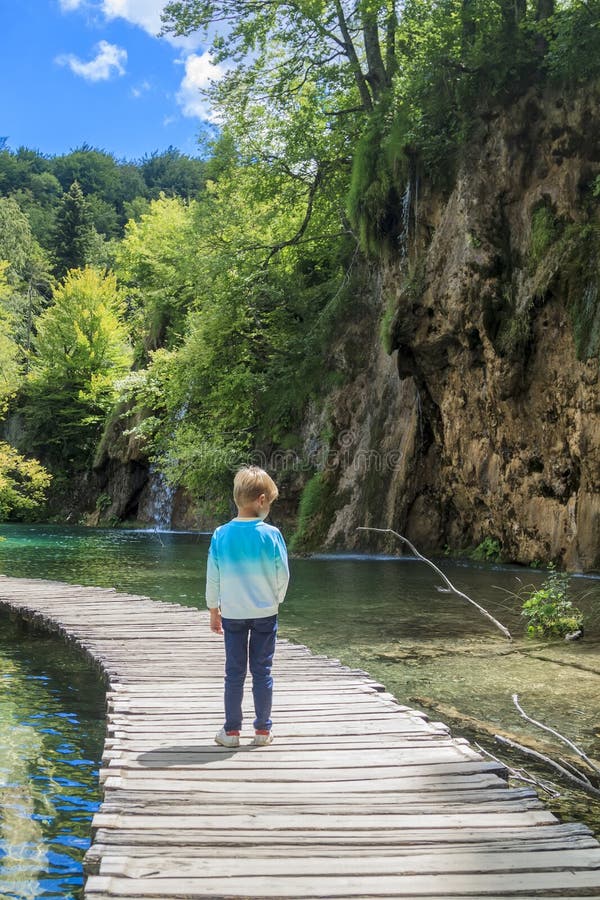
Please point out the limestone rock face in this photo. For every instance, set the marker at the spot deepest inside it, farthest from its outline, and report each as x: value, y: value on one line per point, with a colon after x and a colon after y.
x: 485, y: 420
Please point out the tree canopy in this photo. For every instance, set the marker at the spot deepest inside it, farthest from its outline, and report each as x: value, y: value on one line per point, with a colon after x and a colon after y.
x: 203, y: 294
x: 80, y: 349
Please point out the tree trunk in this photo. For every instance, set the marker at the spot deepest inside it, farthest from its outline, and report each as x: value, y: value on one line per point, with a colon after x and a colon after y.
x: 513, y: 11
x: 361, y: 82
x: 391, y: 63
x: 469, y: 27
x: 544, y: 9
x: 376, y: 75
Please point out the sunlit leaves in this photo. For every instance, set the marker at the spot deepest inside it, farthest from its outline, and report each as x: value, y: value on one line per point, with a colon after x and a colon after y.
x: 23, y: 482
x: 80, y: 349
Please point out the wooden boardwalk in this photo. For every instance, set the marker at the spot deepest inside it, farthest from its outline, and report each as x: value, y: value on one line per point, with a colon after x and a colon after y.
x: 357, y: 797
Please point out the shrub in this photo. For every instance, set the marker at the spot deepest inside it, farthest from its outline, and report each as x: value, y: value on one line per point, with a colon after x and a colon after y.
x: 489, y: 549
x: 548, y: 610
x: 314, y: 513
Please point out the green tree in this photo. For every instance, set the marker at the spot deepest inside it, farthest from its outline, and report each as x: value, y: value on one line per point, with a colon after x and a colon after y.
x: 173, y: 173
x: 156, y: 262
x: 292, y: 41
x: 74, y: 236
x: 27, y: 274
x: 23, y: 483
x: 104, y: 216
x: 79, y: 351
x: 10, y: 371
x: 252, y: 346
x: 95, y: 171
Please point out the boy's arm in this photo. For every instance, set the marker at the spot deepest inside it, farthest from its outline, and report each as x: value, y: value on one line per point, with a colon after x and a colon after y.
x: 282, y: 569
x: 212, y: 588
x: 215, y: 621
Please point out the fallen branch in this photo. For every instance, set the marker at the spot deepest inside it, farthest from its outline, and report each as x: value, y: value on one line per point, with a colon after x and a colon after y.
x: 454, y: 590
x: 522, y: 774
x: 568, y: 776
x: 558, y: 735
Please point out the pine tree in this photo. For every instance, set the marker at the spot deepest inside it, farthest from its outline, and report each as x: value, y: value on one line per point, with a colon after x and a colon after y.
x: 74, y: 234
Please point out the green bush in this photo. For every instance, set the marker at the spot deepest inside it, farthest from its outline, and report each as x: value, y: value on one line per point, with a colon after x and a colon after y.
x: 314, y: 513
x: 376, y: 185
x: 489, y: 550
x: 544, y: 231
x: 548, y: 610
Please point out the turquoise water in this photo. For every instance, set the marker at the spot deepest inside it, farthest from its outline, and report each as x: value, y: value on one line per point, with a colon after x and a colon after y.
x: 51, y: 736
x: 384, y: 615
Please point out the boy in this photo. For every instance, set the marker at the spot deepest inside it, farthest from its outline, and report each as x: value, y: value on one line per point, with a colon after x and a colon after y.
x: 246, y: 579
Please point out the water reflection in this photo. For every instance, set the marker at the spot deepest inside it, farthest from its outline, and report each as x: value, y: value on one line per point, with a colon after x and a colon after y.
x: 51, y: 736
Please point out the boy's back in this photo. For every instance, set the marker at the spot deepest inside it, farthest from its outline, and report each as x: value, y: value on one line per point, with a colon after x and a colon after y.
x: 246, y: 580
x: 247, y: 573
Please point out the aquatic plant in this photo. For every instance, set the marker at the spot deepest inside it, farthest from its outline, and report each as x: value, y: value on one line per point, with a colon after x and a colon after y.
x: 489, y: 549
x: 548, y: 610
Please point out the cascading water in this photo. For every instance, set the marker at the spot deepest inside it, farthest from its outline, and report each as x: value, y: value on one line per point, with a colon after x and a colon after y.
x: 410, y: 199
x: 405, y: 218
x: 161, y: 496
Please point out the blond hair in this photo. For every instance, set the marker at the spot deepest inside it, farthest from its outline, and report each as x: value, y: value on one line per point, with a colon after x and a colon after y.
x: 250, y: 482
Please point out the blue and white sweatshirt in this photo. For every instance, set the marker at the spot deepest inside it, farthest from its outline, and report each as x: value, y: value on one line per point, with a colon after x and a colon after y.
x: 247, y: 572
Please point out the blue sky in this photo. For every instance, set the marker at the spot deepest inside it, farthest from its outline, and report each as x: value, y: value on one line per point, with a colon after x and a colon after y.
x: 93, y: 71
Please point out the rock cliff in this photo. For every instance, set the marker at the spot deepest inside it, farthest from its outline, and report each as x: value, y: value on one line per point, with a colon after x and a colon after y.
x: 484, y: 422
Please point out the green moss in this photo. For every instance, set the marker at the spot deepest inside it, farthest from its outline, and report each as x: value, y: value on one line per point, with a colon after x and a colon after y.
x: 545, y: 229
x: 581, y: 275
x: 314, y: 513
x: 380, y: 169
x: 385, y: 326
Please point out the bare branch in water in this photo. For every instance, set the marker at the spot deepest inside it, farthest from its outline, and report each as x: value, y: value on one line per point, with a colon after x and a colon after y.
x: 522, y: 774
x: 582, y: 785
x: 454, y: 590
x: 560, y: 736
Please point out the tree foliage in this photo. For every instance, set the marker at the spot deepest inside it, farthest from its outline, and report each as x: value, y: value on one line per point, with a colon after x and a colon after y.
x: 156, y: 263
x: 80, y: 349
x: 9, y: 351
x: 74, y: 232
x: 235, y: 271
x: 256, y: 328
x: 23, y: 483
x: 28, y: 281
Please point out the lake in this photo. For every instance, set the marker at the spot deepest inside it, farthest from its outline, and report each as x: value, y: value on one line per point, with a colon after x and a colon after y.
x: 385, y: 615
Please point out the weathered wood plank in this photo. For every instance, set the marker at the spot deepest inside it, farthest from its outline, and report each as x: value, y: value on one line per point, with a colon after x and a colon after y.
x: 447, y: 885
x: 523, y: 861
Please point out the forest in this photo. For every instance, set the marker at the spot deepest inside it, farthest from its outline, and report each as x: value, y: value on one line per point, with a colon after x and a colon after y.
x: 195, y: 300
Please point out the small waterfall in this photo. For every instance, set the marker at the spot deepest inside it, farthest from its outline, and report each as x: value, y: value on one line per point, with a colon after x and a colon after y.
x: 405, y: 219
x: 161, y: 495
x: 408, y: 212
x: 419, y: 406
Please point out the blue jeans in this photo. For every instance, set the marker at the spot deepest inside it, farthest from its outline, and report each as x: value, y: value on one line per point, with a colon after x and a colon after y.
x: 257, y: 636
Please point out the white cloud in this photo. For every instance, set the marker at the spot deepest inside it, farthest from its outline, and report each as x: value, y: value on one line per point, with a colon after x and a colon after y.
x: 109, y: 58
x: 140, y: 89
x: 199, y: 72
x: 145, y: 13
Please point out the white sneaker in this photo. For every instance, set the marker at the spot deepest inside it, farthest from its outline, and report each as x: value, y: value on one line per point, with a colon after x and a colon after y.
x: 227, y: 739
x: 262, y: 738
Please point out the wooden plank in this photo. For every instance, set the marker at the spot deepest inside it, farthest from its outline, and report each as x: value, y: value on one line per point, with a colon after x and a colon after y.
x: 479, y: 861
x: 446, y: 885
x: 338, y: 838
x: 275, y: 821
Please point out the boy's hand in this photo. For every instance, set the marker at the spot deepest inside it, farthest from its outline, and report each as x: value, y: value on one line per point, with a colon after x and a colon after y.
x: 215, y: 621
